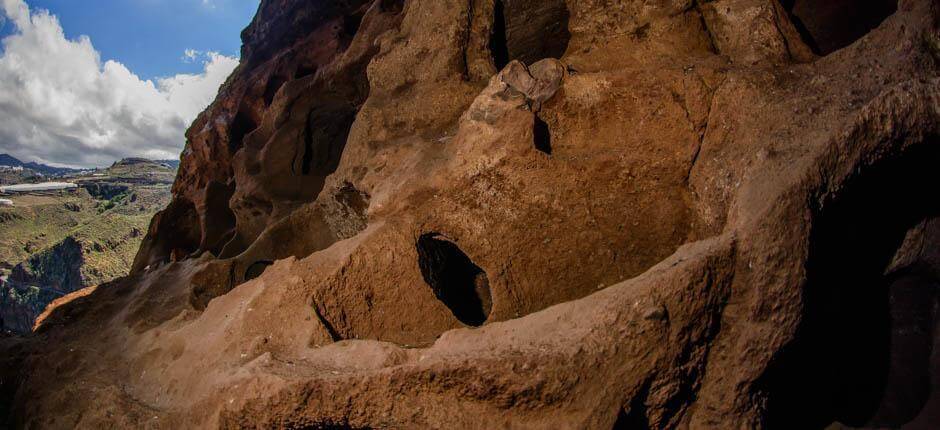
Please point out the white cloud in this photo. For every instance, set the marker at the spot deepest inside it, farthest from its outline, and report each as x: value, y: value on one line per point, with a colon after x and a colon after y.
x: 191, y: 55
x: 60, y: 104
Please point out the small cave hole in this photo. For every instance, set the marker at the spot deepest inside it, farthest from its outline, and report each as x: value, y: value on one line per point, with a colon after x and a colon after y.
x: 182, y: 232
x: 175, y: 233
x: 304, y: 70
x: 271, y: 89
x: 827, y: 26
x: 499, y: 47
x: 241, y: 126
x: 543, y: 136
x: 218, y: 222
x: 325, y: 136
x: 351, y: 25
x: 529, y: 31
x: 392, y: 6
x: 256, y: 269
x: 456, y: 281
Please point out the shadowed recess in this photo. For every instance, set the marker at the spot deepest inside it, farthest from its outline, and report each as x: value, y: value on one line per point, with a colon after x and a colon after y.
x: 256, y: 269
x: 827, y: 26
x: 270, y: 90
x: 529, y: 31
x: 325, y: 137
x: 218, y: 224
x: 861, y: 356
x: 174, y: 234
x: 543, y: 136
x: 456, y: 281
x: 241, y: 126
x: 498, y: 45
x: 634, y: 416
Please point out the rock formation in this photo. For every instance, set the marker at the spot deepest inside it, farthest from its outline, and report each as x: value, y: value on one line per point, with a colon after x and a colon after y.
x: 539, y: 214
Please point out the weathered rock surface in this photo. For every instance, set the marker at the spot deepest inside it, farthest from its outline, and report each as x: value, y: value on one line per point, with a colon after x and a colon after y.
x: 533, y: 214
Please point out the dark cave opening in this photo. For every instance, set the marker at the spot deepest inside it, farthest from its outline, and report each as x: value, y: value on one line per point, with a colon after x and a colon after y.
x: 179, y: 233
x: 499, y: 47
x: 218, y: 222
x: 861, y: 356
x: 257, y: 269
x: 543, y: 136
x: 392, y: 6
x: 456, y: 281
x: 304, y: 70
x: 827, y: 26
x: 350, y: 26
x: 241, y: 126
x: 270, y: 90
x: 529, y: 31
x: 634, y: 416
x: 327, y: 130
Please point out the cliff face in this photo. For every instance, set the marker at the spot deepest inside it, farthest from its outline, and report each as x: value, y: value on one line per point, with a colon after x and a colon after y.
x: 555, y: 214
x: 31, y: 285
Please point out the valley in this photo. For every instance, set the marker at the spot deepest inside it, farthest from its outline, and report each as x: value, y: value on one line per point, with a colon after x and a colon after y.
x: 55, y: 242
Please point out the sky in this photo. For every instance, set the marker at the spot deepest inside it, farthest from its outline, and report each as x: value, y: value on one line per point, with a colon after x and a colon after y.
x: 86, y: 82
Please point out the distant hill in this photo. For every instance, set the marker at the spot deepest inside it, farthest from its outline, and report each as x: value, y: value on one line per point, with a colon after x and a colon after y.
x: 137, y: 161
x: 9, y: 160
x: 47, y: 170
x: 55, y: 243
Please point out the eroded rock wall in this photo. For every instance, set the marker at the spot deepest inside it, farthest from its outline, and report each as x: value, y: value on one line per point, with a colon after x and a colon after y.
x: 508, y: 213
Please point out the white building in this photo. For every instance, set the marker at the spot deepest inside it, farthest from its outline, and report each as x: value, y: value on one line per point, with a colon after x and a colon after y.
x: 32, y: 188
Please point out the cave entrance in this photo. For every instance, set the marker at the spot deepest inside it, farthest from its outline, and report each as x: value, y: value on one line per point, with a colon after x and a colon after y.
x: 218, y: 223
x: 273, y: 86
x: 456, y: 281
x: 542, y: 135
x: 827, y: 26
x: 325, y: 136
x: 529, y: 31
x: 861, y: 356
x: 241, y: 126
x: 257, y: 269
x: 179, y: 230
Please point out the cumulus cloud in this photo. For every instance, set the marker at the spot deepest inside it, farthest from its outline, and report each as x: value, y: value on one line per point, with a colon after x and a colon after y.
x: 190, y: 55
x: 61, y: 104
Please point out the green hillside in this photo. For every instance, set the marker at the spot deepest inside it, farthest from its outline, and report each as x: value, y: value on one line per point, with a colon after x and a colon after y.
x: 57, y: 242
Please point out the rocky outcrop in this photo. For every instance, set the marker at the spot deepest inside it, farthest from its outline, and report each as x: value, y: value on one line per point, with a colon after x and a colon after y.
x: 554, y: 214
x: 68, y: 266
x: 57, y: 268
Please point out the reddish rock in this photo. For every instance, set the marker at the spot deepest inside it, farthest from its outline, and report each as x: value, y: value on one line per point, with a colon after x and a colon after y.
x: 509, y: 213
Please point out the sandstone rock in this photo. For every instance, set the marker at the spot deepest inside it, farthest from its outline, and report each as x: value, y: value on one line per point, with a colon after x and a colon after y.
x: 488, y: 214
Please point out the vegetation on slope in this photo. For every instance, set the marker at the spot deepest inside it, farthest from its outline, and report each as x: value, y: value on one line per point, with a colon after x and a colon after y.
x: 52, y: 244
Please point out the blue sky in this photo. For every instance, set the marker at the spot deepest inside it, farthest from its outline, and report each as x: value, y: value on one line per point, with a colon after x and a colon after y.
x: 151, y: 36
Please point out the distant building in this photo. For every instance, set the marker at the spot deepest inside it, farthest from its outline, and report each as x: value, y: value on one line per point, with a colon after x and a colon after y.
x: 34, y: 188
